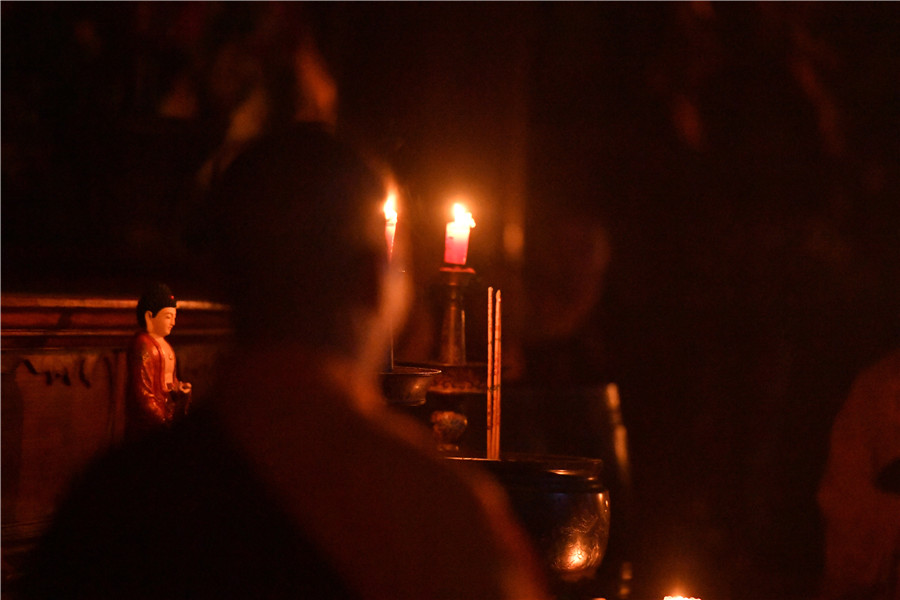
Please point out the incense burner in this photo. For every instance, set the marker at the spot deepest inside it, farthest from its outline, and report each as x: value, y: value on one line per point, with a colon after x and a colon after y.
x: 563, y: 505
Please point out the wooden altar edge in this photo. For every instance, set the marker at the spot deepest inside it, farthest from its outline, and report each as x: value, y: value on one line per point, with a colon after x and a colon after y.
x: 47, y: 322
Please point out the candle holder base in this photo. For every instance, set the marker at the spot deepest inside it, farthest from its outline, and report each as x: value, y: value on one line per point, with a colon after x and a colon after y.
x: 448, y: 426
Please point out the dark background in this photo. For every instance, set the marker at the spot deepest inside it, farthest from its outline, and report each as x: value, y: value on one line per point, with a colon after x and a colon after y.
x: 706, y: 196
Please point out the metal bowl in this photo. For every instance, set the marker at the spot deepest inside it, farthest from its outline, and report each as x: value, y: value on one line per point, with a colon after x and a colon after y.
x: 407, y: 386
x: 564, y: 506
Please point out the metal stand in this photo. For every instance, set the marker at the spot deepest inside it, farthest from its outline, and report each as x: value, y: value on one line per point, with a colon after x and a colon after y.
x: 453, y: 329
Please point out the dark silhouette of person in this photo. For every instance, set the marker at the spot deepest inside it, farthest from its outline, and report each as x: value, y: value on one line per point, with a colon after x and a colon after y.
x: 294, y: 480
x: 859, y: 495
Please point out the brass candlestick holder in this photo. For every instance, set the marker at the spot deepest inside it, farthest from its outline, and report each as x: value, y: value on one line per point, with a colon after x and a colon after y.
x: 458, y: 375
x: 457, y: 389
x: 453, y: 328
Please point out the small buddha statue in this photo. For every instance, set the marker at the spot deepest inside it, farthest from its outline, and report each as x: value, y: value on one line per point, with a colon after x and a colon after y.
x: 155, y: 396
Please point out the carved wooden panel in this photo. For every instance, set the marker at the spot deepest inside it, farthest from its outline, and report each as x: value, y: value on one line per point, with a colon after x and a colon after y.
x: 59, y: 410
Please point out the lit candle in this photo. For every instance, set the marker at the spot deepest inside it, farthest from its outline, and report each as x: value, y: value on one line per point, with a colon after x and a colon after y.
x: 390, y: 222
x: 456, y: 244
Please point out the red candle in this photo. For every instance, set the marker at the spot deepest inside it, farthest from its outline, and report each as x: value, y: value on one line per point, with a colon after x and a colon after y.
x: 390, y: 222
x: 456, y: 243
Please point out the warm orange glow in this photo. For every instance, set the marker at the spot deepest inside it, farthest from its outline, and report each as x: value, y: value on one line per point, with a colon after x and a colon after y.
x: 577, y: 556
x: 679, y: 598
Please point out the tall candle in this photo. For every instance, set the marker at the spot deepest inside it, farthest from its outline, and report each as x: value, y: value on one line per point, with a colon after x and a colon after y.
x: 390, y: 222
x: 456, y: 242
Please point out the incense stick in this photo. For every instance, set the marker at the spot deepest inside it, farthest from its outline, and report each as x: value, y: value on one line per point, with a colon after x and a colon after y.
x: 498, y: 361
x: 490, y: 371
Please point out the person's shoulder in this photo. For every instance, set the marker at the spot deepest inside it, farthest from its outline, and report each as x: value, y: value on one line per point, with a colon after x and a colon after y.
x: 147, y: 469
x: 129, y: 459
x: 890, y: 363
x: 883, y: 373
x: 450, y: 486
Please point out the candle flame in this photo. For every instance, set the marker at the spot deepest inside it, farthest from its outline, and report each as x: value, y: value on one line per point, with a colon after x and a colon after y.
x: 461, y: 215
x: 390, y: 207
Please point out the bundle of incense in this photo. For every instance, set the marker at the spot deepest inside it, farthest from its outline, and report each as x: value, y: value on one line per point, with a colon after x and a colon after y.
x: 494, y: 363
